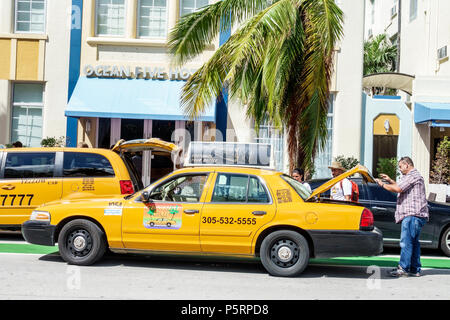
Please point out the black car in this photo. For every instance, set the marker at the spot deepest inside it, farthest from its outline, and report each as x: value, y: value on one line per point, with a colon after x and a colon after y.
x: 382, y: 203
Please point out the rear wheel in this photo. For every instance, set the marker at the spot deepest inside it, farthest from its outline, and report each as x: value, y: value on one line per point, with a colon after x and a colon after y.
x: 81, y: 242
x: 284, y: 253
x: 445, y: 242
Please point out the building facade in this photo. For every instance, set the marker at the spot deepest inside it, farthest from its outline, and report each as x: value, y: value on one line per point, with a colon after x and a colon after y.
x: 98, y: 71
x: 34, y: 42
x: 422, y: 33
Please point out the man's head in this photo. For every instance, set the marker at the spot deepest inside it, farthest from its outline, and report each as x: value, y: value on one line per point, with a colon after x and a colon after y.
x: 298, y: 174
x: 405, y: 164
x: 336, y: 168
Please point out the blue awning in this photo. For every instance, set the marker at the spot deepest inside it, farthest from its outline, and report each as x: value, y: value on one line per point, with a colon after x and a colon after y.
x: 130, y: 99
x: 432, y: 112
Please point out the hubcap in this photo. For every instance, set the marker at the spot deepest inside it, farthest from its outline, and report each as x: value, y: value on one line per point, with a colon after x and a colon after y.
x: 79, y: 243
x: 284, y: 253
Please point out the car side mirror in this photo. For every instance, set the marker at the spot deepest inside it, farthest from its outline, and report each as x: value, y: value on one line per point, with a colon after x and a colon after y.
x: 145, y: 197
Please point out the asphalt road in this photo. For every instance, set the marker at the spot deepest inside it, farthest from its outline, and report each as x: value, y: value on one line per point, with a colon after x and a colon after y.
x: 47, y: 276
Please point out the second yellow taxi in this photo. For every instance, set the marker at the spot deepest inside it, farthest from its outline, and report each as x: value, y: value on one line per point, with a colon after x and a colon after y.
x: 236, y: 211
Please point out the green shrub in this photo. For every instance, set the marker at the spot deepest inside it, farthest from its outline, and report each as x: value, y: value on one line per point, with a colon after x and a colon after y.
x: 388, y: 166
x: 440, y: 170
x: 348, y: 162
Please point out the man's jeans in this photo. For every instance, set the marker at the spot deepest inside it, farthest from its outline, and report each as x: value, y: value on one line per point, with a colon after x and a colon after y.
x: 409, y: 243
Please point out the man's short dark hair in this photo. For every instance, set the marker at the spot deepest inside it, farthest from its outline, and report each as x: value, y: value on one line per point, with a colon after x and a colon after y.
x: 408, y: 160
x: 17, y: 144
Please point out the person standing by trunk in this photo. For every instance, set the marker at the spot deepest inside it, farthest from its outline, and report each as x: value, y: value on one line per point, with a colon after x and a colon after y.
x: 411, y: 212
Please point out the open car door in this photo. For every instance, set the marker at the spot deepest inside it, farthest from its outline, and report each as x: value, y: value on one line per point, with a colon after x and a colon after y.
x: 363, y: 171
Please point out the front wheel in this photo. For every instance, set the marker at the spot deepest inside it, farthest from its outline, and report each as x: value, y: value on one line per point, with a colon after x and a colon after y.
x: 81, y: 242
x: 284, y: 253
x: 445, y: 242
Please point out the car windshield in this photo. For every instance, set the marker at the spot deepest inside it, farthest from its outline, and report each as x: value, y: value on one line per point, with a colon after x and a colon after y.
x: 298, y: 186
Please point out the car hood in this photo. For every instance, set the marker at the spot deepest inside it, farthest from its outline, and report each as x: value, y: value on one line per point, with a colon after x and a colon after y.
x: 363, y: 171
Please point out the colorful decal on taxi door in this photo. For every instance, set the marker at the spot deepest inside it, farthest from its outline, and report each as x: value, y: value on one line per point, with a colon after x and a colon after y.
x: 162, y: 216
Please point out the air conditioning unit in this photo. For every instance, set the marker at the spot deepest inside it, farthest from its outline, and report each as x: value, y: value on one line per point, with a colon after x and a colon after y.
x: 442, y: 53
x: 393, y: 11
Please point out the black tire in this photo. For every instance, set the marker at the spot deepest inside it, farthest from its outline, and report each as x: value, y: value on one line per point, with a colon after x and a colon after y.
x: 445, y: 242
x: 284, y: 253
x: 169, y: 224
x: 81, y: 242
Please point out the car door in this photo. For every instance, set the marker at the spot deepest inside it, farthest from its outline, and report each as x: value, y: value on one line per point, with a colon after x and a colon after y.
x: 29, y: 180
x: 171, y: 220
x: 237, y: 206
x: 383, y: 204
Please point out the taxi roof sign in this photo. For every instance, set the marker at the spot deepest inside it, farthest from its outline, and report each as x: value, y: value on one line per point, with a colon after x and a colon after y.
x: 201, y: 153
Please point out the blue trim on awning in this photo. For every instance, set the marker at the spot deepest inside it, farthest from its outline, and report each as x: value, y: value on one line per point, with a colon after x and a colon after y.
x: 130, y: 99
x: 431, y: 111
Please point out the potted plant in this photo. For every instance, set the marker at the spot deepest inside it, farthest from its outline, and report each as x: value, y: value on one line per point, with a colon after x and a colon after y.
x: 440, y: 171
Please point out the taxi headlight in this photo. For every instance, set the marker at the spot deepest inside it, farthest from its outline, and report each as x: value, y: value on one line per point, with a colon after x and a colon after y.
x: 40, y: 216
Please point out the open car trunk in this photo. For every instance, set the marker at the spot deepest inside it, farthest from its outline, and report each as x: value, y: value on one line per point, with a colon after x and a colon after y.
x: 126, y: 150
x: 363, y: 171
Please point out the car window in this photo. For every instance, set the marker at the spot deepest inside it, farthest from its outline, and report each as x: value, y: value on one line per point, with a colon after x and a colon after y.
x: 29, y: 165
x: 362, y: 188
x: 380, y: 194
x: 230, y: 188
x: 186, y: 188
x: 82, y: 164
x: 298, y: 187
x: 256, y: 191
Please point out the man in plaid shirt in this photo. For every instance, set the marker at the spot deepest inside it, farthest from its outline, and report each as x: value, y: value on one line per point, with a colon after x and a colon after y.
x: 412, y: 212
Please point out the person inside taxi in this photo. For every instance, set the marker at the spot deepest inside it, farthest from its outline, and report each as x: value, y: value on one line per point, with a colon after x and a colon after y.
x: 299, y: 175
x: 343, y: 189
x: 17, y: 144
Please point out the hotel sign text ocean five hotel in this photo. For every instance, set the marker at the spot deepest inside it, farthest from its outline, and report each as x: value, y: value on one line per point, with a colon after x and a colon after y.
x: 138, y: 72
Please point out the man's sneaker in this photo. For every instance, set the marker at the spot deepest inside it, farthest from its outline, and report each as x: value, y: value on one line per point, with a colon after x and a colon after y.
x: 399, y: 272
x: 417, y: 274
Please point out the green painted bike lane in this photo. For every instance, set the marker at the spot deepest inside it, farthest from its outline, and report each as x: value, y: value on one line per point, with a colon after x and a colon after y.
x: 381, y: 261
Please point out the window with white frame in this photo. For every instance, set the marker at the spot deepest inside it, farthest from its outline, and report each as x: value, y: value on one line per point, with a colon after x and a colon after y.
x: 275, y: 137
x: 412, y: 9
x: 152, y: 18
x: 28, y: 103
x: 323, y: 157
x: 110, y: 17
x: 189, y: 6
x: 30, y: 16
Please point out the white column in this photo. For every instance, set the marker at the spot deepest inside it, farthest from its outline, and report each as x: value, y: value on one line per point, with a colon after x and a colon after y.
x: 147, y: 155
x: 115, y: 130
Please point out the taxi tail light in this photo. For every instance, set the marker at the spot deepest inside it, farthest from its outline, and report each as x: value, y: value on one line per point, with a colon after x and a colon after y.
x: 126, y: 187
x: 366, y: 222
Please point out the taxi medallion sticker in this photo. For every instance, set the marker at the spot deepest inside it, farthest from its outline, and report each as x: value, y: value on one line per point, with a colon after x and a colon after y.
x: 162, y: 216
x: 284, y: 195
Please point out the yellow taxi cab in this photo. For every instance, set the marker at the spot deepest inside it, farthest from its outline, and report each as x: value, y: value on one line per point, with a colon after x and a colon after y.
x: 216, y: 210
x: 31, y: 177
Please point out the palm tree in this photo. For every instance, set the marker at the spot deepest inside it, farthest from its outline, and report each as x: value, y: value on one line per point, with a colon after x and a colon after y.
x: 380, y: 55
x: 278, y: 62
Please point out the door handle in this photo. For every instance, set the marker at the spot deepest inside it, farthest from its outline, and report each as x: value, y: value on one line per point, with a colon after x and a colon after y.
x: 380, y: 208
x: 8, y: 187
x: 259, y: 213
x: 191, y: 211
